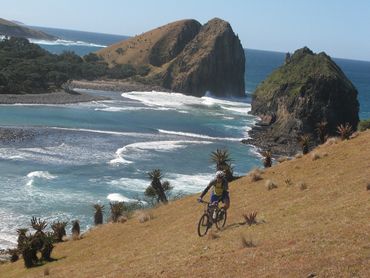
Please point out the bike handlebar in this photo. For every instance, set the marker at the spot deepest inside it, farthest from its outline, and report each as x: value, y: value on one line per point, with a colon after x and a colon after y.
x: 208, y: 203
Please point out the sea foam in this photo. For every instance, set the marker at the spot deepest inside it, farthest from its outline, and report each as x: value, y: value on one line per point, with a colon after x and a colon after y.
x: 194, y: 135
x: 33, y: 176
x: 141, y: 148
x: 117, y: 197
x: 65, y: 43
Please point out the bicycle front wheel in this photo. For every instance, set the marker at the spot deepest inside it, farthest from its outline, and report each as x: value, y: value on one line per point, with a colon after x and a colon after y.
x: 221, y: 218
x: 203, y: 225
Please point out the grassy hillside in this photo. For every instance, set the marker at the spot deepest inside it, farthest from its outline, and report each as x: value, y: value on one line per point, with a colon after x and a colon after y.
x: 323, y: 229
x: 137, y: 50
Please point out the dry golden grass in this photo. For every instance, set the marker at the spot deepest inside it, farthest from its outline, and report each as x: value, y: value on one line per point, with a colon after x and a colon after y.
x: 143, y: 216
x: 332, y: 141
x: 324, y: 230
x: 302, y: 185
x: 246, y: 243
x: 255, y: 175
x: 298, y: 155
x: 269, y: 184
x: 315, y: 156
x: 211, y: 235
x: 136, y: 50
x: 46, y: 271
x: 283, y: 159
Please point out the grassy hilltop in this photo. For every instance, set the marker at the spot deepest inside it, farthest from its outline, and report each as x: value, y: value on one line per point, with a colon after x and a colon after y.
x: 316, y: 222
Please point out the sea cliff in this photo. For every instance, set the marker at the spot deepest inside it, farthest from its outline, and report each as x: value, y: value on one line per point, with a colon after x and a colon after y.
x: 307, y: 90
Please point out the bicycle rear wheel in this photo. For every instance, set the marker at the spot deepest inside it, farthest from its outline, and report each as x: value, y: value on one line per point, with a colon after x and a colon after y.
x: 221, y: 218
x: 203, y: 225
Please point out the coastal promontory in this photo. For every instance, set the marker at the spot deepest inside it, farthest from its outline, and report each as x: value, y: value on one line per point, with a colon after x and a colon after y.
x: 12, y: 29
x: 307, y: 90
x: 185, y: 57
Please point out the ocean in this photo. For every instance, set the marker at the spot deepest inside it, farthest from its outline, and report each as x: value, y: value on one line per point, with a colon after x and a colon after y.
x: 101, y: 151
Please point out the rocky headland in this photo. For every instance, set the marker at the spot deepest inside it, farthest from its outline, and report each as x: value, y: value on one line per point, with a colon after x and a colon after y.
x: 12, y: 29
x: 185, y: 57
x: 307, y: 90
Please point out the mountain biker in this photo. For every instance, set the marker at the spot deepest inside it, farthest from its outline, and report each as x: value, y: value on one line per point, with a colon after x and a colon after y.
x: 220, y: 190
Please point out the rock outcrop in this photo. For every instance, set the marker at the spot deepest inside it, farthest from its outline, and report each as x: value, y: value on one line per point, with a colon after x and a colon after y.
x: 309, y: 88
x: 11, y: 29
x: 213, y: 61
x: 186, y: 57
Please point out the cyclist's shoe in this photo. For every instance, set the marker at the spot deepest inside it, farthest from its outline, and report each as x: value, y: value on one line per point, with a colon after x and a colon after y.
x: 221, y: 215
x: 199, y: 200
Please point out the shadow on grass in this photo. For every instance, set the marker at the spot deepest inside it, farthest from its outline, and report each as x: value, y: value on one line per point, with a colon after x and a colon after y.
x: 44, y: 262
x: 239, y: 224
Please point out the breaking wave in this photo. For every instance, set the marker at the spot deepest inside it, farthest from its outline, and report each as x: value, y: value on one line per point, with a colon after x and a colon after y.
x: 117, y: 197
x: 39, y: 175
x: 194, y: 135
x: 142, y: 147
x: 65, y: 43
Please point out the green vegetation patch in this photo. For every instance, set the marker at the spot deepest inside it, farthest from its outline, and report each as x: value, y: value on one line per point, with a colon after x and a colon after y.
x: 27, y: 68
x: 298, y: 71
x: 364, y: 125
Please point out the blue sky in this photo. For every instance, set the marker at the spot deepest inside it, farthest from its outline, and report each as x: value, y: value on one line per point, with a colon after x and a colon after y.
x: 339, y: 27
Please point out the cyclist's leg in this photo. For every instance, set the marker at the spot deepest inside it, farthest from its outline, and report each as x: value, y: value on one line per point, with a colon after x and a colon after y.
x: 226, y: 200
x: 214, y: 198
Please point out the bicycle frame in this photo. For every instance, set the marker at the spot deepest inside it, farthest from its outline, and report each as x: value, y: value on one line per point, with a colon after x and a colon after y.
x: 210, y: 207
x: 212, y: 213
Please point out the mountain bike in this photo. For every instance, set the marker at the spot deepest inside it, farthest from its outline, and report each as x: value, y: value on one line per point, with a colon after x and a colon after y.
x: 213, y: 214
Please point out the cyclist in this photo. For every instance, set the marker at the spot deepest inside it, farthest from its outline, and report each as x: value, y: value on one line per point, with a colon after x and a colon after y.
x: 220, y: 190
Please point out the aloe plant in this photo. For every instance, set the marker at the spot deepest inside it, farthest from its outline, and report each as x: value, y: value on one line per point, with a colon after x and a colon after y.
x: 22, y: 237
x: 267, y: 161
x: 156, y: 187
x: 38, y: 225
x: 304, y: 141
x: 250, y: 218
x: 59, y: 229
x: 76, y: 228
x: 223, y: 161
x: 47, y: 247
x: 117, y: 209
x: 344, y: 131
x: 321, y: 131
x: 98, y: 215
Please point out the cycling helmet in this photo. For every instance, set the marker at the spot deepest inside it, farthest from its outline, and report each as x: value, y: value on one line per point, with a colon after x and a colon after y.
x: 220, y: 174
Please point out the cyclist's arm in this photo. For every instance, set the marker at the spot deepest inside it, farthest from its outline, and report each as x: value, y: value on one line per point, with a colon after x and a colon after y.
x: 207, y: 188
x: 226, y: 184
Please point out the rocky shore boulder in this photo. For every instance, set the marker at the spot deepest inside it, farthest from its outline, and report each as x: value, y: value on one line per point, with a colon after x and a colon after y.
x: 185, y: 57
x: 309, y: 88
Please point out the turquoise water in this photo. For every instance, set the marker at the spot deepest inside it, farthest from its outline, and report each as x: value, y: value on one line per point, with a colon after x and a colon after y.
x: 101, y: 151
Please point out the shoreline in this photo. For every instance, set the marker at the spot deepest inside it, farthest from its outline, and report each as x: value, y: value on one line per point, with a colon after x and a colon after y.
x: 114, y: 85
x: 260, y: 138
x: 59, y: 97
